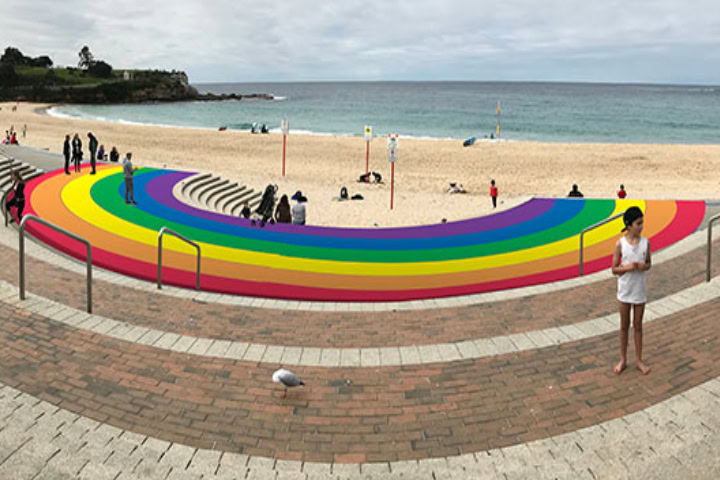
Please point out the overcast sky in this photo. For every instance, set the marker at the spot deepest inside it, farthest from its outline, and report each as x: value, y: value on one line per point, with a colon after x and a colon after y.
x: 665, y: 41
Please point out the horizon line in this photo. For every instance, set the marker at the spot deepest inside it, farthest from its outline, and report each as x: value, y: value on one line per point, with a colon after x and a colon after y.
x: 565, y: 82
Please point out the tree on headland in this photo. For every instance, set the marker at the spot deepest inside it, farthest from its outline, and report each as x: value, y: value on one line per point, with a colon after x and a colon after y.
x: 13, y: 56
x: 100, y: 69
x: 42, y: 61
x: 8, y: 77
x: 86, y: 58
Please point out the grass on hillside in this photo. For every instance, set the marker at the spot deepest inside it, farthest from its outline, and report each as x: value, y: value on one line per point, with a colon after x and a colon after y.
x: 69, y: 77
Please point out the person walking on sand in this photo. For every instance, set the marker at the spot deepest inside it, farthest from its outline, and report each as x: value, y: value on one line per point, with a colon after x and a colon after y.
x: 631, y: 259
x: 77, y: 152
x: 493, y: 193
x: 92, y: 146
x: 128, y: 172
x: 24, y: 131
x: 66, y: 153
x: 622, y: 193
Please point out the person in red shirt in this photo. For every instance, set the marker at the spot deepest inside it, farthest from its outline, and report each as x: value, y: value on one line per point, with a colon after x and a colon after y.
x: 493, y: 193
x: 622, y: 193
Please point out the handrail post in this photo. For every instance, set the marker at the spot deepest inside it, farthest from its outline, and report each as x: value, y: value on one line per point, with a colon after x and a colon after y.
x: 159, y: 279
x: 32, y: 218
x: 162, y: 232
x: 4, y: 208
x: 708, y: 267
x: 592, y: 227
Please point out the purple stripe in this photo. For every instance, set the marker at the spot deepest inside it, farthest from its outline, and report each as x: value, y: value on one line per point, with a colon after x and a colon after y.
x: 161, y: 188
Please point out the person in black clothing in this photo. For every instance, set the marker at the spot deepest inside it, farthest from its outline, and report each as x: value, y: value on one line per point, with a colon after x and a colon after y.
x: 18, y: 199
x: 245, y: 212
x: 365, y: 178
x: 267, y: 205
x: 93, y: 146
x: 377, y: 177
x: 575, y: 193
x: 66, y: 153
x: 77, y: 152
x: 114, y: 155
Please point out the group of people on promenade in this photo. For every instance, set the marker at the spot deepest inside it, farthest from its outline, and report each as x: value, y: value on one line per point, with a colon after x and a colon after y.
x: 73, y: 152
x: 11, y: 136
x: 282, y: 213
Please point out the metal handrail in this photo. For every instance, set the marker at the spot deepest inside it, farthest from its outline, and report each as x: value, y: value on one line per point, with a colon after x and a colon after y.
x: 162, y: 232
x: 709, y: 246
x: 29, y: 217
x: 592, y: 227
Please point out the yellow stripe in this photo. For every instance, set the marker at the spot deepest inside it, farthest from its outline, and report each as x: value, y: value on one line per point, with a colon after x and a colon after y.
x: 76, y: 196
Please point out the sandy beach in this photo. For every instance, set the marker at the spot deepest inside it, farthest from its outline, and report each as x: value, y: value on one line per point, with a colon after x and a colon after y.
x: 320, y: 165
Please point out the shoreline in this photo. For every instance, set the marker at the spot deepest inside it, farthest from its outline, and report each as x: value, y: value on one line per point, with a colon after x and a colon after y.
x: 47, y: 108
x: 320, y: 165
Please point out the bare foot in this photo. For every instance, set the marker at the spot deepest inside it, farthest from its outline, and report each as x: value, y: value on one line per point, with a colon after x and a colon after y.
x: 644, y: 369
x: 619, y: 367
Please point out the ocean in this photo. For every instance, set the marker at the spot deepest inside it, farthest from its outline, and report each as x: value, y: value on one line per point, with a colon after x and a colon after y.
x: 547, y: 112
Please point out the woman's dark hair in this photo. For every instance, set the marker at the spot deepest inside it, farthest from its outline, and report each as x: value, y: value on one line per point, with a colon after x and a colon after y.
x: 284, y: 202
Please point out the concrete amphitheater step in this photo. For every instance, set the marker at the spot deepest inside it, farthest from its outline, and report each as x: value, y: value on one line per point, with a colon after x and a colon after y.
x: 215, y: 194
x: 190, y: 182
x: 201, y: 188
x: 193, y: 190
x: 210, y: 191
x: 221, y: 200
x: 28, y: 172
x: 211, y: 199
x: 252, y: 198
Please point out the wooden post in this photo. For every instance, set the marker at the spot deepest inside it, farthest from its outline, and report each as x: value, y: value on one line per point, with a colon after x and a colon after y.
x: 367, y: 157
x: 284, y: 144
x: 392, y: 184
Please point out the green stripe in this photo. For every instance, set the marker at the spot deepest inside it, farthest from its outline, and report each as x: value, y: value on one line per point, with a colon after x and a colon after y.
x: 104, y: 193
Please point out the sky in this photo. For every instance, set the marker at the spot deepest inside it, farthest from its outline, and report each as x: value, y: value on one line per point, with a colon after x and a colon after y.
x: 658, y: 41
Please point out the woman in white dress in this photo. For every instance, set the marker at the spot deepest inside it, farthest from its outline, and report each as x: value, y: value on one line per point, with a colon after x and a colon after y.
x: 631, y: 259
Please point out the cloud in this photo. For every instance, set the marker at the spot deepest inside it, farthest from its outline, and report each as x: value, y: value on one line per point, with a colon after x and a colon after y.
x: 224, y: 40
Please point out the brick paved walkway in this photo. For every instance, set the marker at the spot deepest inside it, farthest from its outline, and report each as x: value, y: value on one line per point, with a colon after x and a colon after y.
x: 349, y: 329
x: 352, y: 415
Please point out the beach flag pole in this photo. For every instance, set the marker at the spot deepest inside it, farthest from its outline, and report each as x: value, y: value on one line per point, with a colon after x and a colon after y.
x: 368, y: 137
x: 285, y: 125
x: 392, y: 184
x: 497, y: 129
x: 392, y: 156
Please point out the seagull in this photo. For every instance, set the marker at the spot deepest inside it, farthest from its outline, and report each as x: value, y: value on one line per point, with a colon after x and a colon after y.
x: 287, y: 378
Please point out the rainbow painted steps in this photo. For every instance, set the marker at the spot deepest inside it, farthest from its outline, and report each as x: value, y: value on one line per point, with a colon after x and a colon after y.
x: 536, y: 242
